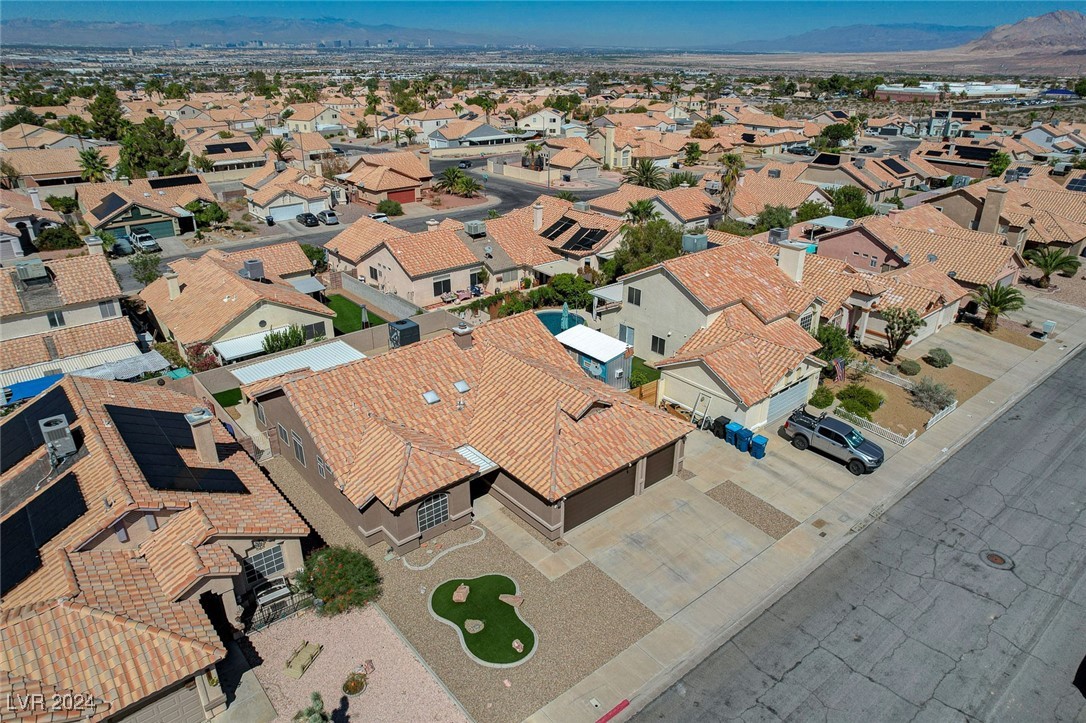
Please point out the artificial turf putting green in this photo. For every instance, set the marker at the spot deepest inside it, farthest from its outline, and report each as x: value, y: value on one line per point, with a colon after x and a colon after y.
x: 502, y: 623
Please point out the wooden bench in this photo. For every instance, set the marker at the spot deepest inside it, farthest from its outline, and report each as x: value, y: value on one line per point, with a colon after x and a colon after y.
x: 302, y: 658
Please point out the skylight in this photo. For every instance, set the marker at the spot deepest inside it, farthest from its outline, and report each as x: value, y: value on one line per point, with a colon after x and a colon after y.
x: 461, y: 386
x: 431, y: 397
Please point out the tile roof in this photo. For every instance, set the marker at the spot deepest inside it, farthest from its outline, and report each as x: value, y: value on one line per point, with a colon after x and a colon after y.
x: 281, y: 259
x: 275, y: 189
x: 77, y: 280
x: 140, y: 192
x: 361, y: 237
x: 379, y: 178
x: 758, y: 191
x: 21, y: 351
x: 310, y: 143
x: 305, y: 112
x: 430, y: 252
x: 403, y: 162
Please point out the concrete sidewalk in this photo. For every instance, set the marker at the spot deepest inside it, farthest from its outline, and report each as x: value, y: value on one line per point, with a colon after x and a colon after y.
x: 645, y: 669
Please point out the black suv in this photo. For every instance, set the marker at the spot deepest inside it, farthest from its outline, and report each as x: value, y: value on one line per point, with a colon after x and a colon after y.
x: 307, y: 219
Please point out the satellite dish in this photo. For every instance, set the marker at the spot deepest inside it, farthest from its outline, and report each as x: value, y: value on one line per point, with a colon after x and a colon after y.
x: 488, y: 249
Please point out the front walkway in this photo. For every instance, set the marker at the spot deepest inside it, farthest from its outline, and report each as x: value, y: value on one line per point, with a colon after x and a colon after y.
x: 490, y: 513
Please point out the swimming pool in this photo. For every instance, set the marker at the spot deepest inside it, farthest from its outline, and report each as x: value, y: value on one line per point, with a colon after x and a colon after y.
x: 553, y: 320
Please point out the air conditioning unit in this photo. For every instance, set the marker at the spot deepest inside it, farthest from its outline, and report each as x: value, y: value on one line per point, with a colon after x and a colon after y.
x: 253, y: 270
x: 402, y: 333
x: 778, y: 235
x: 693, y: 242
x: 30, y: 270
x: 58, y: 437
x: 475, y: 228
x: 713, y: 186
x: 580, y: 206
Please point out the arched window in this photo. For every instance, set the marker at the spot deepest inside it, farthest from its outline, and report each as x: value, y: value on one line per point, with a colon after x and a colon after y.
x: 433, y: 511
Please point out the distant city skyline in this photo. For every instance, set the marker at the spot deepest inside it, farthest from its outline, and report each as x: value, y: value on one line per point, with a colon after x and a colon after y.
x: 599, y: 23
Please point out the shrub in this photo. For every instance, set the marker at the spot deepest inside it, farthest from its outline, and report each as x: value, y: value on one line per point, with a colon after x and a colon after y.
x: 145, y: 267
x: 389, y: 207
x: 908, y: 367
x: 317, y: 256
x: 58, y: 237
x: 288, y: 338
x: 62, y: 204
x: 638, y: 378
x: 169, y: 350
x: 854, y: 406
x: 931, y: 396
x: 939, y: 358
x: 868, y: 399
x: 822, y: 398
x: 342, y: 577
x: 835, y: 345
x: 201, y: 357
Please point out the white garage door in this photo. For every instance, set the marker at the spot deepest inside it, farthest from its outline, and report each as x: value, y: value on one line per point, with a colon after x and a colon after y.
x: 181, y: 706
x: 286, y: 213
x: 317, y: 206
x: 787, y: 399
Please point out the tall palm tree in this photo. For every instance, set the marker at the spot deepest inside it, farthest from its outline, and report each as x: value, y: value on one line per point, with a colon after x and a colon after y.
x: 532, y: 150
x: 641, y: 212
x: 457, y: 107
x: 446, y: 180
x: 1050, y: 260
x: 515, y: 115
x: 731, y: 165
x: 93, y: 166
x: 280, y: 147
x: 645, y: 173
x: 259, y: 132
x: 996, y: 300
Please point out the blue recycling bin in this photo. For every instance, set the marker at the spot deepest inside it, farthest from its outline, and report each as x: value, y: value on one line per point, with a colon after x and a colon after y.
x: 730, y: 430
x: 758, y: 445
x: 742, y: 439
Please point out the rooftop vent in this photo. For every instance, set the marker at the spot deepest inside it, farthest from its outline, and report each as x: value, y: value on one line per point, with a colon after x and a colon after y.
x: 932, y: 257
x: 431, y: 397
x: 952, y: 274
x: 462, y: 386
x: 58, y: 438
x: 475, y: 228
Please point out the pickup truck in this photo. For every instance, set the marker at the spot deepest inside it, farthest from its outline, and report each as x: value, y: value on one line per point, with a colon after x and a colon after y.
x: 835, y: 438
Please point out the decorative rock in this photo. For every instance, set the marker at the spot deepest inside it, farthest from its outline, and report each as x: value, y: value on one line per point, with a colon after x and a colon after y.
x: 518, y: 646
x: 506, y: 683
x: 514, y: 600
x: 473, y: 626
x: 460, y: 595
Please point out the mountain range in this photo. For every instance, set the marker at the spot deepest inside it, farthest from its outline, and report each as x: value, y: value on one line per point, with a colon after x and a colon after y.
x: 866, y: 39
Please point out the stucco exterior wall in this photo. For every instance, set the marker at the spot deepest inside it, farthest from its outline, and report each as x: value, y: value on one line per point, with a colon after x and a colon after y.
x: 393, y: 279
x: 276, y: 316
x: 664, y: 308
x: 851, y: 247
x: 528, y: 506
x: 75, y: 315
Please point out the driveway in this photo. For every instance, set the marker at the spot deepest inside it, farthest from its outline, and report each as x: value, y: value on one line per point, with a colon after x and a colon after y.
x: 974, y: 351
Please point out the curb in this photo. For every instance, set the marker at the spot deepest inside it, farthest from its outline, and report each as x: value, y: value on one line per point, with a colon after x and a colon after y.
x: 446, y: 551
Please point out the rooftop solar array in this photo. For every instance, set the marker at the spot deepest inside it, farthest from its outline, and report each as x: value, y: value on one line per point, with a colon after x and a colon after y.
x: 584, y: 239
x: 110, y: 204
x: 29, y: 528
x: 895, y: 165
x: 827, y: 159
x: 215, y: 149
x: 171, y: 181
x: 153, y: 438
x: 557, y: 228
x: 22, y: 435
x: 1077, y: 184
x: 973, y: 153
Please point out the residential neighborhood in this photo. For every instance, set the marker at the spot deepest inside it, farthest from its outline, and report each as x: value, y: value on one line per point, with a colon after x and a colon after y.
x: 460, y: 377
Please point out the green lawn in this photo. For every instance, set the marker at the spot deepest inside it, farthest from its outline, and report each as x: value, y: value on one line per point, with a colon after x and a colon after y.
x: 349, y: 314
x: 502, y: 623
x: 651, y: 374
x: 228, y: 398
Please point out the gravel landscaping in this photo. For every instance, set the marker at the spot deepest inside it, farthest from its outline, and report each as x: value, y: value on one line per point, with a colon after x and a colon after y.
x: 399, y: 682
x: 428, y: 551
x: 753, y: 509
x: 1012, y: 333
x: 1069, y: 290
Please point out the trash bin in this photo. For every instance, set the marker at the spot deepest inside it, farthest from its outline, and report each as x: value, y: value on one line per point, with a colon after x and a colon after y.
x: 742, y: 439
x: 757, y: 446
x: 730, y: 430
x: 269, y: 220
x: 719, y: 428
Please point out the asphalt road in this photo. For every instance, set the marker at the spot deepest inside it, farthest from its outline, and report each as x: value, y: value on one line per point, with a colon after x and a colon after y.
x: 906, y: 623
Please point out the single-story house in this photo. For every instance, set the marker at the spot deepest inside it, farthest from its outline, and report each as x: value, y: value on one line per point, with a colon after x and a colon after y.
x: 156, y: 204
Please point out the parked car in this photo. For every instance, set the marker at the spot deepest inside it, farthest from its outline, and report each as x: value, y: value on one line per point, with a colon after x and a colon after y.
x: 328, y: 218
x: 802, y: 150
x: 835, y: 438
x: 307, y: 219
x: 142, y: 240
x: 867, y: 149
x: 272, y: 590
x: 464, y: 164
x: 380, y: 217
x: 122, y: 246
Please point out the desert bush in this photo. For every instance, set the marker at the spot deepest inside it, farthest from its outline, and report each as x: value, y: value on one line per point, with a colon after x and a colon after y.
x: 391, y: 208
x: 854, y: 406
x: 908, y: 367
x: 939, y: 358
x: 867, y: 398
x: 342, y: 577
x: 822, y: 398
x: 931, y: 396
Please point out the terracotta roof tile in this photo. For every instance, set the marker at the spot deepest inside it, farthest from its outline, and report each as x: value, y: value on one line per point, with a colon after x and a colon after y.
x: 362, y: 237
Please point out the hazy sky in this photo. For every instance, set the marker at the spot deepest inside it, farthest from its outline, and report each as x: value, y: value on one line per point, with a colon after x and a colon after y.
x: 576, y: 22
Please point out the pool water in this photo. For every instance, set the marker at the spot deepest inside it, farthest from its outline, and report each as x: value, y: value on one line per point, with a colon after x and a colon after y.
x: 553, y: 320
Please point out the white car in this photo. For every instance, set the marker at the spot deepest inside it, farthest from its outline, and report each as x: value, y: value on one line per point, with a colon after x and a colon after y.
x: 328, y: 218
x: 380, y: 217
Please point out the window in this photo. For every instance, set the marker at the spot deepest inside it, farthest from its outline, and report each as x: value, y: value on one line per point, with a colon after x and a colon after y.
x: 108, y: 309
x: 633, y: 296
x: 626, y: 334
x: 299, y: 451
x: 259, y: 410
x: 433, y: 511
x: 442, y: 286
x: 874, y: 263
x: 282, y: 433
x: 807, y: 320
x: 373, y: 273
x: 56, y: 318
x: 473, y: 280
x: 260, y: 565
x: 312, y: 331
x: 658, y: 345
x: 322, y: 468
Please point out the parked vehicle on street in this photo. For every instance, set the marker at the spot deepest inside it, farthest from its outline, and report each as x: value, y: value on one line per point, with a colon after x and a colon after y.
x: 142, y: 240
x: 802, y: 151
x: 380, y: 217
x: 328, y: 218
x: 835, y: 438
x: 307, y: 219
x: 122, y: 246
x: 464, y: 164
x: 867, y: 149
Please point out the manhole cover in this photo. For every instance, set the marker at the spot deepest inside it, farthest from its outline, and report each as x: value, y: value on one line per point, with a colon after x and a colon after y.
x: 997, y: 560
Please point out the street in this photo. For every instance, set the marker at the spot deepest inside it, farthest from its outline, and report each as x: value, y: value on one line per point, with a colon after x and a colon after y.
x: 911, y: 621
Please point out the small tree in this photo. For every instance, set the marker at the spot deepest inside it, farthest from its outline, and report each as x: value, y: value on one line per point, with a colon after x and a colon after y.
x: 483, y: 276
x: 361, y: 129
x: 812, y: 209
x: 9, y: 173
x: 702, y: 129
x: 289, y: 338
x: 317, y: 256
x: 835, y: 345
x: 998, y: 163
x: 314, y: 712
x: 57, y: 238
x: 901, y: 323
x: 837, y: 133
x: 409, y: 134
x: 851, y: 202
x: 206, y: 213
x: 773, y: 217
x: 390, y: 208
x: 145, y: 267
x: 1050, y: 260
x: 62, y: 204
x: 344, y: 578
x: 996, y: 300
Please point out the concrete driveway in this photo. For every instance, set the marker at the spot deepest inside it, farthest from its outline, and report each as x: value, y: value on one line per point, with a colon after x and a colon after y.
x: 972, y: 350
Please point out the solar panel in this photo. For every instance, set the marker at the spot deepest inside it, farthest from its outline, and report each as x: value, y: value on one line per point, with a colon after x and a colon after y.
x: 584, y: 239
x: 976, y: 154
x: 153, y: 438
x: 827, y: 159
x: 557, y: 228
x: 110, y: 204
x: 21, y: 433
x: 25, y: 532
x: 172, y: 181
x: 895, y: 165
x: 1077, y: 184
x: 215, y: 149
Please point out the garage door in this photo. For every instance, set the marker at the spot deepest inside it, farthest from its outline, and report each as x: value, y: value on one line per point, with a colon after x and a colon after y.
x: 407, y: 196
x: 600, y: 497
x: 286, y: 213
x: 159, y: 229
x: 659, y: 465
x: 317, y: 206
x: 787, y: 399
x: 180, y: 706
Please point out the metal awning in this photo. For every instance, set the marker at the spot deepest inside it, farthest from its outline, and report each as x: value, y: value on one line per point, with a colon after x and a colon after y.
x: 307, y: 284
x: 243, y: 346
x: 130, y: 368
x: 477, y: 458
x: 69, y: 364
x: 316, y: 357
x: 611, y: 293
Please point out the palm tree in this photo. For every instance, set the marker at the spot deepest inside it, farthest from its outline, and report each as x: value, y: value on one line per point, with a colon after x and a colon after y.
x: 202, y: 163
x: 467, y: 187
x: 678, y: 179
x: 447, y: 179
x: 532, y: 149
x: 567, y: 196
x: 259, y: 132
x: 9, y: 173
x: 731, y: 165
x: 280, y: 147
x: 515, y: 115
x: 93, y: 165
x: 457, y: 107
x: 996, y: 300
x: 641, y: 212
x: 1050, y: 260
x: 645, y: 173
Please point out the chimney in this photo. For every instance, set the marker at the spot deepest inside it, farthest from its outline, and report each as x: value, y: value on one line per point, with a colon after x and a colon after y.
x: 35, y: 198
x: 424, y: 156
x: 684, y: 185
x: 992, y: 208
x: 172, y: 284
x: 537, y: 216
x: 790, y: 258
x: 741, y: 177
x: 199, y: 420
x: 462, y: 335
x: 432, y: 224
x: 94, y: 246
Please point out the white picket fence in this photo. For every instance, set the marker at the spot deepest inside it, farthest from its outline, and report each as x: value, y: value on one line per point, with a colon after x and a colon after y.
x: 898, y: 439
x: 940, y: 414
x: 885, y: 376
